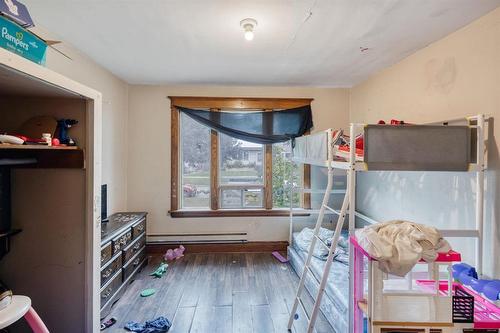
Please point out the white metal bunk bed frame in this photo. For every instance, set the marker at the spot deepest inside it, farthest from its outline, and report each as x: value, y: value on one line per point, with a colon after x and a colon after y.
x: 349, y: 204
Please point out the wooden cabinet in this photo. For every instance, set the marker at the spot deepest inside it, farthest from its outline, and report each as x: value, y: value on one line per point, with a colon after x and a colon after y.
x: 123, y: 254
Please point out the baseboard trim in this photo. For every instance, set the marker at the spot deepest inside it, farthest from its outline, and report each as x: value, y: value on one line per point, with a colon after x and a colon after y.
x: 219, y: 247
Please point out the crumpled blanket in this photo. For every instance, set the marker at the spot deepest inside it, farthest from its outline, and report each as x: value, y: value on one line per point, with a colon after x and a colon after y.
x: 341, y: 254
x: 399, y: 245
x: 158, y: 325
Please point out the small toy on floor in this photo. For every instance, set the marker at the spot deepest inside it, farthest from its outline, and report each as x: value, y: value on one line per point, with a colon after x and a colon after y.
x: 147, y: 292
x: 175, y: 253
x: 162, y: 269
x: 278, y: 256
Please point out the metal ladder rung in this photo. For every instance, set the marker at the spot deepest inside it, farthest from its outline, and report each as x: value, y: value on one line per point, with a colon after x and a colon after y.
x: 332, y: 210
x: 322, y: 243
x: 303, y: 308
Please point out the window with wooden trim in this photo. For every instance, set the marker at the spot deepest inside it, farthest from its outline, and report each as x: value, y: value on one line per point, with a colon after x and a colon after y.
x: 214, y: 174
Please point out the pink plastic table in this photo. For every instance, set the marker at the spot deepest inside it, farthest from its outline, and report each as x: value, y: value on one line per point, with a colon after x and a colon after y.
x: 18, y: 308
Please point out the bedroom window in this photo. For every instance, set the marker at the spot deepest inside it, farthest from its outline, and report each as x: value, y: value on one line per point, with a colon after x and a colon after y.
x: 285, y: 174
x: 214, y: 174
x: 195, y: 164
x: 241, y: 173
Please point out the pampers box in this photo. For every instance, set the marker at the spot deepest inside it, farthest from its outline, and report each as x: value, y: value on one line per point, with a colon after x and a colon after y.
x: 18, y: 40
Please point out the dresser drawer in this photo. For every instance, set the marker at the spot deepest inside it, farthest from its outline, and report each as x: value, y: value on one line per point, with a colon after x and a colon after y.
x: 111, y: 287
x: 133, y: 248
x: 135, y: 262
x: 121, y: 241
x: 106, y: 253
x: 111, y: 268
x: 138, y: 228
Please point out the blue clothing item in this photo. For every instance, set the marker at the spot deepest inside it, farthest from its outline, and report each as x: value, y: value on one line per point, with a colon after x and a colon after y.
x: 158, y: 325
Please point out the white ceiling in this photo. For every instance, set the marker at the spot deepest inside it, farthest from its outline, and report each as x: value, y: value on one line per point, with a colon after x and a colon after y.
x: 201, y: 42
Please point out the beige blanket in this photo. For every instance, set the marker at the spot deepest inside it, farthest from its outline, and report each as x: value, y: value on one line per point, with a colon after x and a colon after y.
x: 399, y: 245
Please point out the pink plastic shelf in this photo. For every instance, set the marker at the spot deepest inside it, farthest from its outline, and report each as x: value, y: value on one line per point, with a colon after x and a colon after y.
x: 486, y: 314
x: 451, y: 256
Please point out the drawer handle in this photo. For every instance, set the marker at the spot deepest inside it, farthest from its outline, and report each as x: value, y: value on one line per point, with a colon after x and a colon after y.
x: 136, y: 247
x: 103, y: 258
x: 136, y: 262
x: 107, y: 273
x: 107, y: 293
x: 140, y: 227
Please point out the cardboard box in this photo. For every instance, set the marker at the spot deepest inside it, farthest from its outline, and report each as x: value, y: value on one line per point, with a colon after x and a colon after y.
x: 17, y: 12
x: 22, y: 42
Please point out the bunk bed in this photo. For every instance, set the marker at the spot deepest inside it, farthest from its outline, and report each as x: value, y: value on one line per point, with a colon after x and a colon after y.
x: 455, y: 145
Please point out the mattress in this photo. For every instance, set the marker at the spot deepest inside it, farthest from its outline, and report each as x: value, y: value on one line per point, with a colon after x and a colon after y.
x: 335, y: 302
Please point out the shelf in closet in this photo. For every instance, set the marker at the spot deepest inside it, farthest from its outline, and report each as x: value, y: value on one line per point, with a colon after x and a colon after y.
x: 39, y: 156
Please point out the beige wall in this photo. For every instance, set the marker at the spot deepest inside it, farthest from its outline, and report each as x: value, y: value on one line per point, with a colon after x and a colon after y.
x: 454, y: 77
x: 114, y: 117
x: 149, y: 154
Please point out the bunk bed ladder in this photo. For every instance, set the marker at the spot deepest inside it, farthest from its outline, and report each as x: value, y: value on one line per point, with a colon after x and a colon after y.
x: 331, y: 254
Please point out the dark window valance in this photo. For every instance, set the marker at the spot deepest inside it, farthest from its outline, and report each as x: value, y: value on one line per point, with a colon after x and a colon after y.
x: 264, y: 127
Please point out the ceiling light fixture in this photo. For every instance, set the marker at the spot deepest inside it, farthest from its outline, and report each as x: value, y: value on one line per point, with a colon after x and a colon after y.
x: 248, y: 25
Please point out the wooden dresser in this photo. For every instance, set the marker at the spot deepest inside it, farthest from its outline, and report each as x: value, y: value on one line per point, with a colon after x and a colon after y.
x: 123, y: 254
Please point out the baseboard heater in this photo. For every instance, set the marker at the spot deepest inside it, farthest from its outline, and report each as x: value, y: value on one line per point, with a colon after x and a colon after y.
x: 202, y: 238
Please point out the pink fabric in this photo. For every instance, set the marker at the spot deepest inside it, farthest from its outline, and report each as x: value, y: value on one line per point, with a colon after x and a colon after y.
x: 35, y: 322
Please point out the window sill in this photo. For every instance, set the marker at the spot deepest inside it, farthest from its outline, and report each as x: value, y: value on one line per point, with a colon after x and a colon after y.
x: 235, y: 213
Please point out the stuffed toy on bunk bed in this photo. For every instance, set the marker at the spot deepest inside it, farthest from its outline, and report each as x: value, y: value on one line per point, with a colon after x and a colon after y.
x: 399, y: 245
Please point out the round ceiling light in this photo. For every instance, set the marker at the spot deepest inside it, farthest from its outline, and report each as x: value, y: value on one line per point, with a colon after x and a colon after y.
x: 248, y: 25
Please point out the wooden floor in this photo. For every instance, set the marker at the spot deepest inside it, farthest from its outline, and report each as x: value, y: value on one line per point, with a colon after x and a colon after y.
x: 220, y: 292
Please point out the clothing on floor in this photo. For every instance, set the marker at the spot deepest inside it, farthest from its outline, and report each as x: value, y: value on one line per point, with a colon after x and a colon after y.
x: 158, y: 325
x: 399, y: 245
x: 108, y: 323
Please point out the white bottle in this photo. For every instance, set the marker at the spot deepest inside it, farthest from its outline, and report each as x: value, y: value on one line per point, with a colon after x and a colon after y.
x: 48, y: 138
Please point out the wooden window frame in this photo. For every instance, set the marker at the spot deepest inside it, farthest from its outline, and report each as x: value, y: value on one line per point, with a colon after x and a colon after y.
x: 215, y: 104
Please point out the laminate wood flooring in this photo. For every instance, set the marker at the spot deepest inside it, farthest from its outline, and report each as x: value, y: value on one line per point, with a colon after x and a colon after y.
x: 217, y: 293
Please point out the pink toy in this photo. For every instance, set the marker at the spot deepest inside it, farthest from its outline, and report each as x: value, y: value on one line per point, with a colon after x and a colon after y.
x: 278, y: 256
x: 486, y: 314
x: 368, y: 289
x: 175, y: 253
